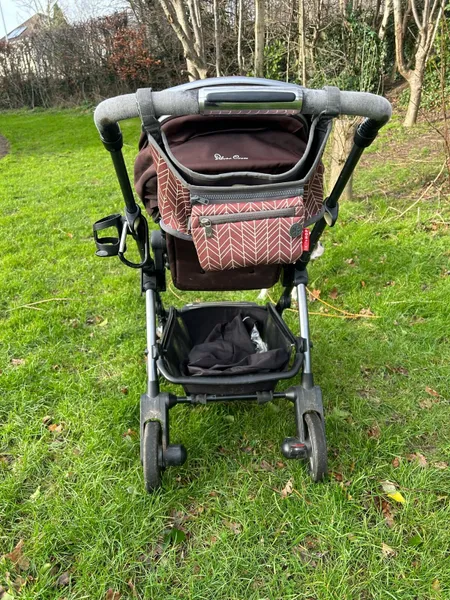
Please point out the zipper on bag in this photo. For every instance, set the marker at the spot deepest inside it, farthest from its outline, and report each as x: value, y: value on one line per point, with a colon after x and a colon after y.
x: 208, y: 222
x: 234, y: 197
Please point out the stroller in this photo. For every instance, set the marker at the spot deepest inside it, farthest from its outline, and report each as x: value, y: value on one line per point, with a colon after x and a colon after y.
x: 230, y: 169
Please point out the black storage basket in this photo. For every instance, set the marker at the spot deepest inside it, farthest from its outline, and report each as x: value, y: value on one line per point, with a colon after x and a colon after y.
x: 192, y: 324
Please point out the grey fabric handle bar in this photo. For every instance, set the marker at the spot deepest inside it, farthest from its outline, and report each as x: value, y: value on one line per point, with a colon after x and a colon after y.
x: 179, y: 102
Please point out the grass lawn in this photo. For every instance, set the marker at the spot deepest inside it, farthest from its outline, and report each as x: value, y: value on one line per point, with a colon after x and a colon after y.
x: 72, y: 498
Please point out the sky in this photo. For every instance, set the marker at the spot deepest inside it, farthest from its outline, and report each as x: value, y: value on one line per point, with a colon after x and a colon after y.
x: 16, y: 12
x: 13, y: 16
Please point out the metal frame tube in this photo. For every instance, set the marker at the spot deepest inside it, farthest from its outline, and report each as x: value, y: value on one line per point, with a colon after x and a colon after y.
x: 304, y: 326
x: 124, y: 181
x: 152, y: 373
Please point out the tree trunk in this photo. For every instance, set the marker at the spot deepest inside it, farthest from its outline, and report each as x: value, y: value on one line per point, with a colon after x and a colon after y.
x: 188, y: 30
x: 427, y: 24
x: 415, y: 86
x: 239, y: 45
x: 259, y: 37
x: 217, y: 36
x: 316, y: 22
x: 343, y: 131
x: 384, y: 22
x: 301, y: 43
x: 194, y: 70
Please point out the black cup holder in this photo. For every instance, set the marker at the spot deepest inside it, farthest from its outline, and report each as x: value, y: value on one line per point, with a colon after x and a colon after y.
x: 108, y: 246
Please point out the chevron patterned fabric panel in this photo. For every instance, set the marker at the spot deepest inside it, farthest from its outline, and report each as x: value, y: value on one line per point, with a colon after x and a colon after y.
x: 263, y: 241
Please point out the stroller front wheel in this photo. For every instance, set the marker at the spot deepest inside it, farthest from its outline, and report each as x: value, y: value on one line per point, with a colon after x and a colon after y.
x: 317, y: 455
x: 151, y: 456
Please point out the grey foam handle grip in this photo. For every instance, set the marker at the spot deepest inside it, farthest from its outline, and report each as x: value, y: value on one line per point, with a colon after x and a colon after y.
x: 360, y: 104
x: 185, y: 102
x: 176, y: 103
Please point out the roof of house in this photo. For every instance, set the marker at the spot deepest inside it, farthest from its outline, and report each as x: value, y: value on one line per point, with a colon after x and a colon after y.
x: 27, y: 27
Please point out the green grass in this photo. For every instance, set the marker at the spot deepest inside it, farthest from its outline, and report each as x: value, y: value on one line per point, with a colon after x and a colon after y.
x: 76, y: 496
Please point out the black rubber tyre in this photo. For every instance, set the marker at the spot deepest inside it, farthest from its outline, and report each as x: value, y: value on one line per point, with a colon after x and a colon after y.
x: 151, y: 447
x: 315, y: 436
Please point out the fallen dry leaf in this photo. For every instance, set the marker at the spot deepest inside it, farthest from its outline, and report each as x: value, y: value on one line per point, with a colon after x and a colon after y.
x: 63, y: 579
x: 129, y: 433
x: 366, y: 311
x: 427, y: 403
x: 132, y: 587
x: 432, y: 392
x: 388, y: 486
x: 398, y: 497
x: 436, y: 585
x: 18, y: 584
x: 236, y: 528
x: 314, y: 294
x: 124, y: 391
x: 17, y: 558
x: 112, y: 595
x: 440, y: 465
x: 374, y: 432
x: 418, y: 458
x: 386, y: 509
x: 350, y: 261
x: 387, y: 550
x: 336, y: 476
x: 265, y: 466
x: 400, y: 370
x: 46, y: 420
x: 390, y: 489
x: 16, y: 362
x: 35, y: 495
x: 288, y: 489
x: 363, y: 284
x: 54, y: 428
x: 396, y: 462
x: 334, y: 293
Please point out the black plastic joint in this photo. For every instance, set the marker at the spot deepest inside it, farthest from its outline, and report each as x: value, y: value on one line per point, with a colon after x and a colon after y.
x: 366, y: 133
x: 301, y: 277
x: 112, y: 137
x: 113, y: 146
x: 149, y: 283
x: 174, y: 455
x: 284, y: 302
x: 264, y: 397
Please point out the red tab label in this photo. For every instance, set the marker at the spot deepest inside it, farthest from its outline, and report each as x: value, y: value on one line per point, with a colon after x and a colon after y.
x: 305, y: 240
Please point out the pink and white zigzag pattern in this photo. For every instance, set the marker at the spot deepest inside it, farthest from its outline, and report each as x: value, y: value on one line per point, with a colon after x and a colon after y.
x: 313, y: 193
x: 173, y: 198
x: 248, y: 243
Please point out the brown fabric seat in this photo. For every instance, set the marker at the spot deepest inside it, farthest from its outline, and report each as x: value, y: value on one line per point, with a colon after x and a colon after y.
x: 188, y: 275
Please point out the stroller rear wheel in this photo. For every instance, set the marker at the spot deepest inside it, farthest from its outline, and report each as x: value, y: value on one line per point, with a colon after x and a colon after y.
x: 317, y: 446
x: 151, y: 456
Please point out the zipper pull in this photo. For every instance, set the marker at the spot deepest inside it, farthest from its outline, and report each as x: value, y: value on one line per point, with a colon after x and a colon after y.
x: 197, y: 200
x: 206, y: 223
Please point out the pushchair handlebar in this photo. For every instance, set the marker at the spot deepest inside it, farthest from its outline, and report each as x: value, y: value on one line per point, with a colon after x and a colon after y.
x: 287, y: 99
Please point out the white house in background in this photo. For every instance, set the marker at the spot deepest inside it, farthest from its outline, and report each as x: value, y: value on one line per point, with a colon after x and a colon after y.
x: 26, y: 28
